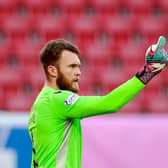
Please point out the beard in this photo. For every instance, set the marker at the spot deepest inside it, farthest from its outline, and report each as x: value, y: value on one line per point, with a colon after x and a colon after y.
x: 64, y: 84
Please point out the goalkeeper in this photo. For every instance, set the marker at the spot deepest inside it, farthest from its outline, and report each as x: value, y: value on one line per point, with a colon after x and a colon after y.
x: 54, y: 123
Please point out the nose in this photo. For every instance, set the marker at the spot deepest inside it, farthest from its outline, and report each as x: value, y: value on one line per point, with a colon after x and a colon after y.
x: 78, y: 72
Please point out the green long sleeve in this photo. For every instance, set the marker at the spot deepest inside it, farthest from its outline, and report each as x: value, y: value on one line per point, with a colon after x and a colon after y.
x: 96, y: 105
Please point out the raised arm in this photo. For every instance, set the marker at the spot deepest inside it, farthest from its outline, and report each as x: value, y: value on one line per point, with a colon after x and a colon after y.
x: 96, y: 105
x: 156, y: 61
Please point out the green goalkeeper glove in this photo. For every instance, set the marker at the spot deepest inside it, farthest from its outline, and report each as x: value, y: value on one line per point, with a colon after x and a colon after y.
x: 156, y: 61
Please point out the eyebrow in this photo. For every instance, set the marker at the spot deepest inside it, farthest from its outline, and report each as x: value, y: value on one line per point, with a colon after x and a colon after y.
x: 75, y: 64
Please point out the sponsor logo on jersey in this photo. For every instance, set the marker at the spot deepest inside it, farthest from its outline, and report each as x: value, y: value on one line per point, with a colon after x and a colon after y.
x: 71, y: 99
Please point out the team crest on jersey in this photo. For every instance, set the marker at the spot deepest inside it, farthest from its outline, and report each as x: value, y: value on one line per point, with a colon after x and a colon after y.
x: 71, y: 99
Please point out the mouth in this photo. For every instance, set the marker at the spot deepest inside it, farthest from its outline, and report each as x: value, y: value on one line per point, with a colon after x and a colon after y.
x: 76, y: 80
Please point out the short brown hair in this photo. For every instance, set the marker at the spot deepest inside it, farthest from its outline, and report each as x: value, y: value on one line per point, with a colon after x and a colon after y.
x: 51, y: 52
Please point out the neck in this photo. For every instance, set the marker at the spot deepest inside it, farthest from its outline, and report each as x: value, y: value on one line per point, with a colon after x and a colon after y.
x: 51, y: 84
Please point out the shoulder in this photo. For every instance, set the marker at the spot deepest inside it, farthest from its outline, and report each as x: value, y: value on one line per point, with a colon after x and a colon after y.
x: 64, y: 96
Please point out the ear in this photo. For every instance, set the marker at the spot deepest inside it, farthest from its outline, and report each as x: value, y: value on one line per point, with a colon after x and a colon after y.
x: 52, y: 71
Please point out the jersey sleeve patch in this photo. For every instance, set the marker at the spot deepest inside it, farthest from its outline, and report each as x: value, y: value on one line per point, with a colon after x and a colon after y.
x: 71, y: 99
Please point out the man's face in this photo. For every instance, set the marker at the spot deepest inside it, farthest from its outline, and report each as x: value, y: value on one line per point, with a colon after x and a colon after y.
x: 69, y: 71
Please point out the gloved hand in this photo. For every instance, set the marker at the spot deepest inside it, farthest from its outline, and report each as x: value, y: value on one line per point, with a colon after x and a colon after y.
x: 156, y: 61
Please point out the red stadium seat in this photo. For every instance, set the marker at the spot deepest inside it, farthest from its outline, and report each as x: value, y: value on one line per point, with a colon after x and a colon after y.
x: 16, y: 27
x: 50, y: 26
x: 5, y: 48
x: 105, y: 7
x: 98, y: 54
x: 158, y: 104
x: 19, y: 102
x: 151, y: 27
x: 32, y: 76
x: 151, y: 93
x: 71, y: 7
x: 87, y: 81
x: 131, y: 69
x: 139, y: 7
x: 36, y: 7
x: 10, y: 79
x: 133, y: 107
x: 163, y: 78
x: 84, y: 27
x: 9, y: 6
x: 119, y: 28
x: 163, y: 4
x: 153, y: 90
x: 27, y: 52
x: 132, y: 53
x: 2, y: 105
x: 110, y: 78
x: 3, y: 57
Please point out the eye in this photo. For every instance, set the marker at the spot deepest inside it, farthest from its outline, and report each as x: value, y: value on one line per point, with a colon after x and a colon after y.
x: 74, y: 65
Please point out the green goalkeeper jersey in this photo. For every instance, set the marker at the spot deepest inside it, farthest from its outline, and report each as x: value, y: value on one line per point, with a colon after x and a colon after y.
x: 54, y: 123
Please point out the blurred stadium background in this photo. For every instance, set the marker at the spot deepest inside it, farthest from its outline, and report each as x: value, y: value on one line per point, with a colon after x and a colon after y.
x: 112, y: 35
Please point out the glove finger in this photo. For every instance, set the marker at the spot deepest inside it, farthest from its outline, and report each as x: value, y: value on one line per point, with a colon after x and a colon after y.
x: 158, y: 66
x: 160, y: 44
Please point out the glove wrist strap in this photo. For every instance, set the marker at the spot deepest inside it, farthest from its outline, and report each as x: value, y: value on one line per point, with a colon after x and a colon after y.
x: 147, y: 73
